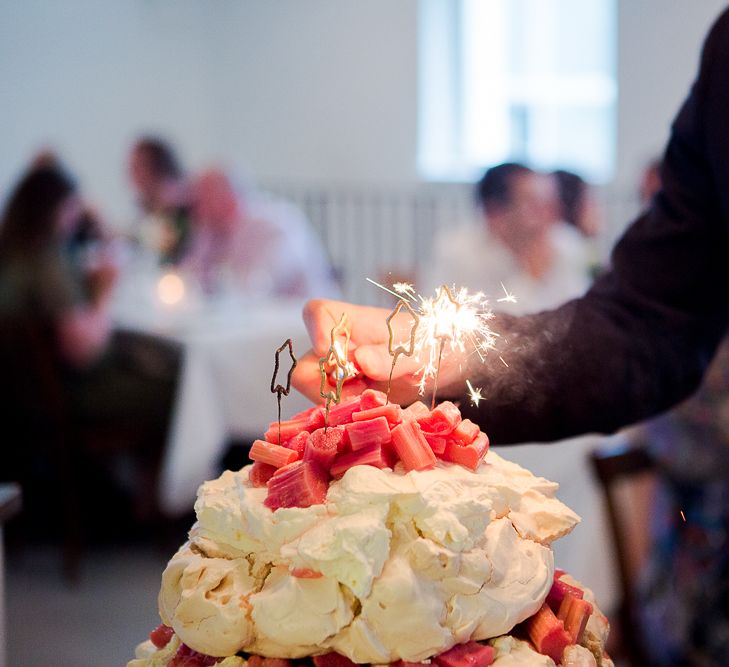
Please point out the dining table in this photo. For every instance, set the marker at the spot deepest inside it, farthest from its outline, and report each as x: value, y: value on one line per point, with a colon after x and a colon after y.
x: 228, y: 342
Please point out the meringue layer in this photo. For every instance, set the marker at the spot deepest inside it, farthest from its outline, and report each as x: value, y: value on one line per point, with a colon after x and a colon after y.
x: 394, y: 566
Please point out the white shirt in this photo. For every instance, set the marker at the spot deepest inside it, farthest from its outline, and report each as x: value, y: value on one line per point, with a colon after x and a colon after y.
x: 470, y: 256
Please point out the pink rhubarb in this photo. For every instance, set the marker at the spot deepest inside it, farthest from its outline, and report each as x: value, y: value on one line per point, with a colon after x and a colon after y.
x: 574, y: 613
x: 391, y: 412
x: 469, y: 456
x: 412, y: 447
x: 547, y: 633
x: 301, y: 484
x: 371, y: 455
x: 372, y: 431
x: 275, y: 455
x: 470, y: 654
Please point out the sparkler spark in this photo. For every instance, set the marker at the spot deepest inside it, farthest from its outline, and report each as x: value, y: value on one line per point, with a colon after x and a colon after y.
x: 508, y: 296
x: 450, y: 323
x: 683, y: 516
x: 454, y: 321
x: 404, y: 289
x: 475, y: 394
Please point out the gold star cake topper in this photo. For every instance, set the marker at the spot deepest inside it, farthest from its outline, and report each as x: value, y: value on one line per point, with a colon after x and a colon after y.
x: 395, y: 352
x: 335, y: 360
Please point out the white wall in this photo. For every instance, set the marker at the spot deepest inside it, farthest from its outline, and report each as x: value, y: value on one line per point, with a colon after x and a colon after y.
x: 318, y: 89
x: 312, y: 90
x: 658, y: 56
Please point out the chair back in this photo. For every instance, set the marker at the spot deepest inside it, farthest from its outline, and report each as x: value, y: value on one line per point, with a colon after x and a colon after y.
x: 614, y: 466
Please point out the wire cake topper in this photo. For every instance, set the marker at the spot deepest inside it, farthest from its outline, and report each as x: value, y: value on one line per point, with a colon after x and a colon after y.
x: 279, y: 389
x: 395, y: 352
x: 335, y: 360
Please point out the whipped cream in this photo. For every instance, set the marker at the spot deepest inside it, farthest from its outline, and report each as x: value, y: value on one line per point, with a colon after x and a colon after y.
x: 394, y: 566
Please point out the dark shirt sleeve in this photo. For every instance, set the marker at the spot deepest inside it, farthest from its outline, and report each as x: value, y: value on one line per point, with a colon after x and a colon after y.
x: 641, y: 338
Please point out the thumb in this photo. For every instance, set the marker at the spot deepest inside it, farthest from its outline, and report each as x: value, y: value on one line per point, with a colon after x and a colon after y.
x: 376, y: 362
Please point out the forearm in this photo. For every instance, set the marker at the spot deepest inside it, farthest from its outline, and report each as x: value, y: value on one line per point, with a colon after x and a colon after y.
x: 589, y: 366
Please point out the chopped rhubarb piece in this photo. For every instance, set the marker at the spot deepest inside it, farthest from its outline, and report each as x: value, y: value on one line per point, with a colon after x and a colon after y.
x: 441, y: 420
x: 466, y: 432
x: 559, y: 590
x: 391, y: 412
x: 302, y: 484
x: 298, y: 443
x: 187, y: 657
x: 547, y: 633
x: 371, y: 398
x: 332, y: 660
x: 437, y: 443
x: 314, y: 417
x: 288, y: 430
x: 371, y: 455
x: 342, y: 413
x: 469, y: 456
x: 416, y: 411
x: 306, y: 573
x: 372, y: 431
x: 259, y: 661
x: 324, y: 444
x: 412, y: 447
x: 161, y: 635
x: 574, y: 613
x: 470, y: 654
x: 275, y: 455
x: 260, y: 473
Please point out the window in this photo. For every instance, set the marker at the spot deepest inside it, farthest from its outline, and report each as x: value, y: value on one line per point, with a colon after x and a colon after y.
x: 525, y: 80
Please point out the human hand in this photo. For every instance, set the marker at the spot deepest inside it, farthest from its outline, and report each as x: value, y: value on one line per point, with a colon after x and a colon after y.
x: 368, y: 349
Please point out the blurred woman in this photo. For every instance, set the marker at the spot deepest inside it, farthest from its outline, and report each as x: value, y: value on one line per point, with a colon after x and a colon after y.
x: 46, y: 268
x: 65, y: 372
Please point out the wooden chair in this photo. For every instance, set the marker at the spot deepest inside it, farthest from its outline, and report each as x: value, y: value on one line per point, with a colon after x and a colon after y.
x: 614, y: 467
x: 33, y: 398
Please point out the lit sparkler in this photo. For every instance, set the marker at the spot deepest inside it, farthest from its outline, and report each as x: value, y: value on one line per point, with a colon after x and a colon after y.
x: 335, y: 360
x: 451, y: 323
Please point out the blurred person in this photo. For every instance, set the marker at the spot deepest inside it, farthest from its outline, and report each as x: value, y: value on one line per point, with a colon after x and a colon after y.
x: 685, y: 578
x: 650, y: 182
x: 577, y: 203
x: 63, y: 364
x: 164, y: 197
x: 515, y: 243
x: 580, y: 217
x: 263, y: 248
x: 637, y: 343
x: 226, y: 238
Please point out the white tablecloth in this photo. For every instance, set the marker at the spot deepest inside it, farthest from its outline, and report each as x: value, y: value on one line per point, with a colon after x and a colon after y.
x: 224, y: 387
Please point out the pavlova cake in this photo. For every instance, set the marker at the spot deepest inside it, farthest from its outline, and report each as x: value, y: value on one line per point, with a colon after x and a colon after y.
x: 390, y: 536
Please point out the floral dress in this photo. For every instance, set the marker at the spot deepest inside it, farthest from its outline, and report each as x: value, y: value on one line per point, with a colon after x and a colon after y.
x: 685, y: 588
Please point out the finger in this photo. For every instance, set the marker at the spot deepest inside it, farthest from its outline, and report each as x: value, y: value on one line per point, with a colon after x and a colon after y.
x: 306, y: 378
x: 375, y: 362
x: 366, y: 324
